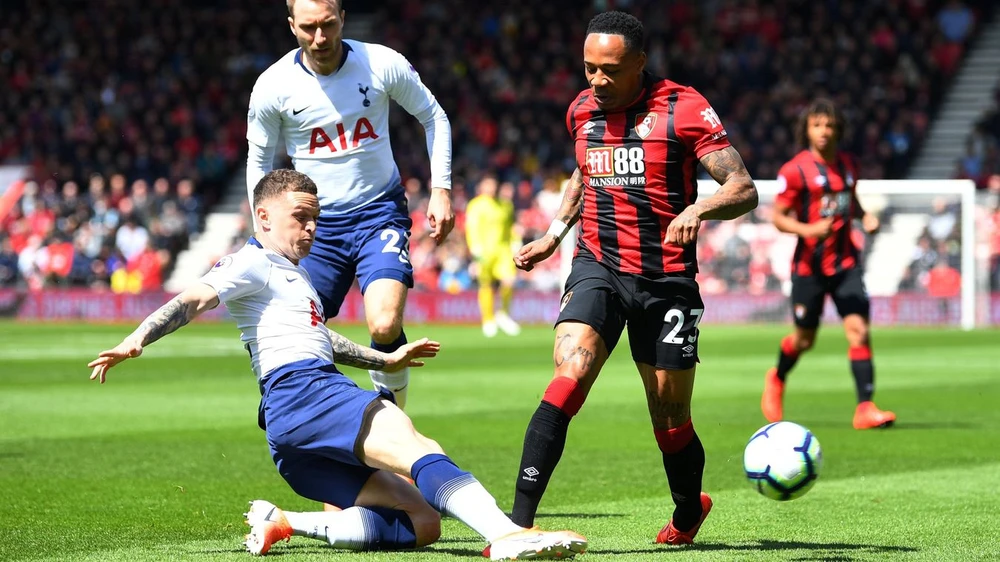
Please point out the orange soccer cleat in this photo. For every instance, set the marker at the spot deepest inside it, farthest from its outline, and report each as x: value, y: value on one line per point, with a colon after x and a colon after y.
x: 774, y: 392
x: 868, y: 416
x: 670, y: 535
x: 268, y: 525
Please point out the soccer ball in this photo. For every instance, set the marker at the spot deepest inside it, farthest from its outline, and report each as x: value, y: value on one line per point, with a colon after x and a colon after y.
x: 782, y: 460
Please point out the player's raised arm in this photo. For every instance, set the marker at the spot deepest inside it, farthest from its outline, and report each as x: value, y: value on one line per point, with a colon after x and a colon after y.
x: 176, y: 313
x: 569, y: 212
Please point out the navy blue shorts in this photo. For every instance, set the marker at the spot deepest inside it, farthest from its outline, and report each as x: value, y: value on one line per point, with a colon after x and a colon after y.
x: 370, y: 243
x: 313, y: 416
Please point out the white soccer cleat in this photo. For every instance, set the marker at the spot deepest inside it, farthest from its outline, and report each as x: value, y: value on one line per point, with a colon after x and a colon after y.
x: 489, y: 329
x: 268, y: 525
x: 507, y: 324
x: 536, y: 544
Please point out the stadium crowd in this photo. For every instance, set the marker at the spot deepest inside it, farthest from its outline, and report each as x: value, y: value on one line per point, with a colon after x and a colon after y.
x: 131, y: 137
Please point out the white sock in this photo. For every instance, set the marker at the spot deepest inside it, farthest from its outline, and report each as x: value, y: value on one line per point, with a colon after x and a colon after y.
x: 394, y: 382
x: 473, y: 505
x: 342, y: 529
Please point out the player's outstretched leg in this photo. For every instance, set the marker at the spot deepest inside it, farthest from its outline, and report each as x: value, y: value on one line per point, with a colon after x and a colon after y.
x: 544, y: 441
x: 392, y: 443
x: 369, y: 525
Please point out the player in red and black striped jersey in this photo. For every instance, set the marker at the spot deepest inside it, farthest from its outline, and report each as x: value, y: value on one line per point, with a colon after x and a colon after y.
x: 638, y: 140
x: 818, y: 203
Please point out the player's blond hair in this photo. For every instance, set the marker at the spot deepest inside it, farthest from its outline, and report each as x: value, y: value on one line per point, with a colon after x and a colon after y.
x: 291, y: 6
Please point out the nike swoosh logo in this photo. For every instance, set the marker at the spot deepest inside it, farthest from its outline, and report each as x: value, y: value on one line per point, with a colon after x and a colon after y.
x: 297, y: 111
x: 289, y: 278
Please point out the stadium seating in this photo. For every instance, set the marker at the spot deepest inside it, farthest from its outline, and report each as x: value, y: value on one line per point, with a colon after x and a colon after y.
x: 87, y: 95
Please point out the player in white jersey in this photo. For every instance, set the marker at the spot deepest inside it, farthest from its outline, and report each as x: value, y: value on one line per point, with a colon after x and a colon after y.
x: 331, y: 441
x: 329, y: 102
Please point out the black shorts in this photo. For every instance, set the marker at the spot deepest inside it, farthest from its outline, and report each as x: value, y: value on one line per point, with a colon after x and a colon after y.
x: 809, y: 295
x: 662, y: 315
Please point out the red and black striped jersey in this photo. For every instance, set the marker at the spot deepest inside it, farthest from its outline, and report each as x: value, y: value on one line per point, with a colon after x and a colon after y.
x: 639, y: 172
x: 816, y: 189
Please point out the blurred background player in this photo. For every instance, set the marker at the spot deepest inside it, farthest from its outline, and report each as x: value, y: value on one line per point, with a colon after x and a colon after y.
x: 638, y: 141
x: 817, y: 203
x: 330, y: 440
x: 328, y: 100
x: 489, y: 227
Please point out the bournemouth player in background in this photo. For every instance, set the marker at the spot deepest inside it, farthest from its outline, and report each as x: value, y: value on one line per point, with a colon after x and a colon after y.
x: 638, y: 140
x: 817, y: 203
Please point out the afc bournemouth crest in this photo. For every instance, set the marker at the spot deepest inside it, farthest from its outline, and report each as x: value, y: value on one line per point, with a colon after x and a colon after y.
x: 800, y: 311
x: 644, y: 123
x: 565, y: 300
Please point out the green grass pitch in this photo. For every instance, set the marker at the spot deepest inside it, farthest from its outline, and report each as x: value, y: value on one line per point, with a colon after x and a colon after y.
x: 159, y: 463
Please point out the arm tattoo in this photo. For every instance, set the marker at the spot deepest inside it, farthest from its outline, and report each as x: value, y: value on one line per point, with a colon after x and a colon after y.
x: 737, y: 195
x: 346, y: 352
x: 165, y: 320
x: 569, y: 210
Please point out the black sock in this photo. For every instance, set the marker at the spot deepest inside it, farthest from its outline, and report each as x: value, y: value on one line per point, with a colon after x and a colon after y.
x: 864, y: 378
x: 785, y: 364
x: 543, y: 446
x: 684, y: 471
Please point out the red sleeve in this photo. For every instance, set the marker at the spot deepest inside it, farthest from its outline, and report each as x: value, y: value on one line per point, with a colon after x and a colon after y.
x: 570, y: 120
x: 698, y: 125
x: 789, y: 185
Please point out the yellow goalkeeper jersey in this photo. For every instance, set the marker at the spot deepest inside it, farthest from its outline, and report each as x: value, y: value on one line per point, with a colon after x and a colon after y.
x: 489, y: 224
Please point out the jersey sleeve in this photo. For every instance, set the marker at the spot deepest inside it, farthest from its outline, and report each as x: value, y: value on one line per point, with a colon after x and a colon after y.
x: 403, y: 84
x: 789, y: 186
x: 697, y: 124
x: 264, y: 115
x: 237, y: 275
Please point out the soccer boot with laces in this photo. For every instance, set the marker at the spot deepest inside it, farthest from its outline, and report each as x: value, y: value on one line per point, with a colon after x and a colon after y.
x: 868, y: 416
x: 670, y: 535
x: 771, y: 402
x: 268, y: 525
x: 536, y: 544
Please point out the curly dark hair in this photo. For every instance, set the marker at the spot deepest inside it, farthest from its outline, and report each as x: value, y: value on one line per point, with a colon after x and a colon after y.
x: 819, y: 106
x: 619, y: 23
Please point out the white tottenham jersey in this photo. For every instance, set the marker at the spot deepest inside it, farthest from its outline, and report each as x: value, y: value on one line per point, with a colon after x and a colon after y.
x: 336, y: 127
x: 275, y: 306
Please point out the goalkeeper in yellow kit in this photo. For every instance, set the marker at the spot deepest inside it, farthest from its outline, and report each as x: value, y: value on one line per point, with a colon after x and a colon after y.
x: 489, y: 224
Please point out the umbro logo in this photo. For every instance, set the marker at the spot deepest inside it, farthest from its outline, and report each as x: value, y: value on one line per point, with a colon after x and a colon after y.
x: 588, y: 127
x: 530, y: 474
x: 297, y: 111
x: 688, y: 349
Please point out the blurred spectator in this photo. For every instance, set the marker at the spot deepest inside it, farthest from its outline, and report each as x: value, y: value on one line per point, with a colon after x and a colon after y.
x: 956, y: 21
x: 943, y: 220
x: 8, y: 262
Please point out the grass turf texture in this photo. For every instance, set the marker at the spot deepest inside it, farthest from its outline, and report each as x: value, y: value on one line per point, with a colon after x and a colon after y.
x: 159, y: 463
